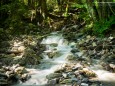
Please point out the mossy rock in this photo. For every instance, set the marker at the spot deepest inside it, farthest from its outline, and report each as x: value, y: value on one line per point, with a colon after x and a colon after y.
x: 66, y: 81
x: 53, y: 76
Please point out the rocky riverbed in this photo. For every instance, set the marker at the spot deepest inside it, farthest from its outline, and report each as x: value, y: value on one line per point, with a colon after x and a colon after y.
x: 73, y: 74
x: 16, y: 55
x: 12, y: 75
x: 91, y: 63
x: 84, y: 61
x: 23, y: 50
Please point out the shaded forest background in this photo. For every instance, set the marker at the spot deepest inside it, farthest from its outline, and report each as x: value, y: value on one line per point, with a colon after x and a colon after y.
x: 41, y: 16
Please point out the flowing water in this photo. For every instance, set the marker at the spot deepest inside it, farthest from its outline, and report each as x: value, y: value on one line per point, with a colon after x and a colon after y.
x: 54, y: 43
x: 107, y: 78
x: 61, y: 48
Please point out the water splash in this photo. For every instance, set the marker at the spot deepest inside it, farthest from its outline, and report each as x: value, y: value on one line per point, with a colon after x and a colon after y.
x: 54, y: 42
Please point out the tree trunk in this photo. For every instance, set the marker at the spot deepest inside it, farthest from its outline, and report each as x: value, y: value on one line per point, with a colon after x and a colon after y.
x: 43, y: 8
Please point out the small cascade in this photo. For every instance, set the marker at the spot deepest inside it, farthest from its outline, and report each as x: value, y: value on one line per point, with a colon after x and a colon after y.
x: 57, y: 45
x: 55, y: 55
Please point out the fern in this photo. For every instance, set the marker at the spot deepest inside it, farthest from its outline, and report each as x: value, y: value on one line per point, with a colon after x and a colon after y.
x: 103, y: 25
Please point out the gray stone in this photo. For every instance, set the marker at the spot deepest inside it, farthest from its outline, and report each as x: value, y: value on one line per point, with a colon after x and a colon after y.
x: 53, y: 76
x: 71, y: 57
x: 85, y: 80
x: 74, y: 79
x: 54, y: 44
x: 54, y: 53
x: 53, y: 81
x: 66, y: 81
x: 65, y: 75
x: 60, y: 70
x: 84, y: 84
x: 74, y: 50
x: 24, y: 77
x: 20, y: 70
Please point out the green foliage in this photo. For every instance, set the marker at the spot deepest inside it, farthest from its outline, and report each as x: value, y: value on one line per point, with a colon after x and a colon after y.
x: 21, y: 16
x: 88, y: 28
x: 16, y: 13
x: 51, y: 4
x: 100, y: 27
x: 75, y: 5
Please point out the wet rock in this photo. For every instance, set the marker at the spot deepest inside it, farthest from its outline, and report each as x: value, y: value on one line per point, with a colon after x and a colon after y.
x: 29, y: 58
x: 75, y: 79
x: 77, y: 67
x: 83, y: 48
x: 85, y: 80
x: 105, y: 66
x: 88, y: 37
x: 53, y: 54
x: 53, y: 76
x: 12, y: 74
x: 66, y: 81
x: 21, y: 49
x: 84, y: 84
x: 74, y: 50
x: 15, y: 66
x: 112, y: 56
x: 87, y: 73
x: 41, y: 47
x: 99, y: 48
x: 108, y: 57
x: 75, y: 84
x: 60, y: 70
x: 108, y: 67
x: 20, y: 70
x: 78, y: 35
x: 53, y: 82
x: 94, y: 44
x: 54, y: 44
x: 77, y: 73
x: 96, y: 84
x: 105, y: 56
x: 80, y: 77
x: 9, y: 73
x: 71, y: 57
x: 79, y: 82
x: 65, y: 75
x: 6, y: 68
x: 112, y: 66
x: 24, y: 77
x: 68, y: 69
x: 90, y: 47
x: 13, y: 78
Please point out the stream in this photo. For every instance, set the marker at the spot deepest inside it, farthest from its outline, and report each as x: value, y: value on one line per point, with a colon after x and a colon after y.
x: 54, y: 57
